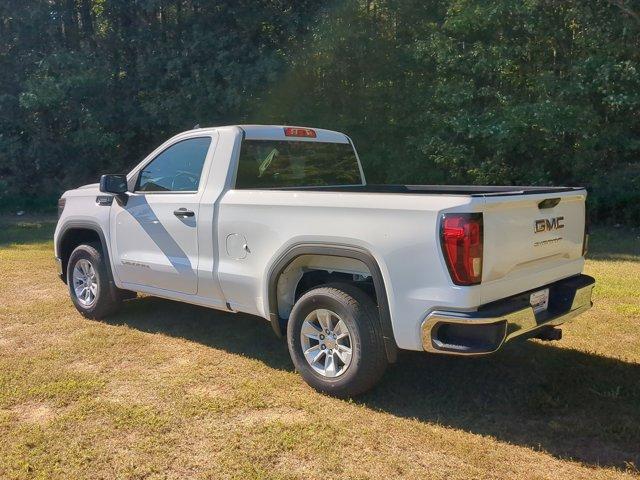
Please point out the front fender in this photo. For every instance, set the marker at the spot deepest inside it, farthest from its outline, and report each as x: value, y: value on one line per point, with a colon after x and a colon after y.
x: 66, y: 228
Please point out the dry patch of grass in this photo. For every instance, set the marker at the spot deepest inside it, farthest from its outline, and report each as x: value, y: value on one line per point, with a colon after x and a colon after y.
x: 168, y: 390
x: 33, y: 412
x: 273, y: 415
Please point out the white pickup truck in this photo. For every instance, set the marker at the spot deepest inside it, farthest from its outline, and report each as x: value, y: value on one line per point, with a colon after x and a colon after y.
x: 279, y: 222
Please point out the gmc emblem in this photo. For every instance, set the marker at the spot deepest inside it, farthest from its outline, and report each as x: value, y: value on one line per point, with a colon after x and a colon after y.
x: 548, y: 224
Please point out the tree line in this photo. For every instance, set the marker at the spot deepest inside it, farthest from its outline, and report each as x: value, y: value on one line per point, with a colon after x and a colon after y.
x: 541, y: 92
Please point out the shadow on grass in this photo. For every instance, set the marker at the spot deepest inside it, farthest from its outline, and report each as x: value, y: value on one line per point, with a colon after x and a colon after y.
x: 236, y: 333
x: 568, y: 403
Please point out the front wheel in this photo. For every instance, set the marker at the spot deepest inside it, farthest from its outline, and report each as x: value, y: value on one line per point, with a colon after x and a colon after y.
x: 89, y: 287
x: 335, y: 340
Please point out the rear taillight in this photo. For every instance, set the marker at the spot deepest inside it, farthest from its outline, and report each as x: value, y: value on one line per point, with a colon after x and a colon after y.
x: 461, y: 237
x: 61, y: 203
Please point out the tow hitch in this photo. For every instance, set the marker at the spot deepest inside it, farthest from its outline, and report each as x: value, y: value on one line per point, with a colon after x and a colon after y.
x: 549, y: 334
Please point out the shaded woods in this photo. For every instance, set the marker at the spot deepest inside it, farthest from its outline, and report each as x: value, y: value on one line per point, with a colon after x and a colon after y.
x: 461, y: 91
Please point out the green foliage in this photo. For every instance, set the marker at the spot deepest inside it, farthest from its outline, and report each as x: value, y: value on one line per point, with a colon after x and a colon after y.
x: 91, y: 86
x: 469, y: 91
x: 458, y: 91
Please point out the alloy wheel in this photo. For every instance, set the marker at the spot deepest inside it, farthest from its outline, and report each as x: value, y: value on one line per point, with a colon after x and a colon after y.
x: 326, y: 343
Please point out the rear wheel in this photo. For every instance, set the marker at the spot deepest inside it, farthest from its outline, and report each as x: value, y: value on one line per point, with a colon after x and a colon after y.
x: 93, y: 295
x: 335, y: 341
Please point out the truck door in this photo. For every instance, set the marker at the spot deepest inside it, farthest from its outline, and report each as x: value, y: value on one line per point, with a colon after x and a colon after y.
x: 155, y: 234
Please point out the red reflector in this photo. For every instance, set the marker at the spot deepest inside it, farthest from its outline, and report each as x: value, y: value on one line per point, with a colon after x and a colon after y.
x: 299, y: 132
x: 461, y: 237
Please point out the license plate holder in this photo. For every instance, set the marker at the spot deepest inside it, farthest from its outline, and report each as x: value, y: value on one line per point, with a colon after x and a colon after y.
x: 539, y: 300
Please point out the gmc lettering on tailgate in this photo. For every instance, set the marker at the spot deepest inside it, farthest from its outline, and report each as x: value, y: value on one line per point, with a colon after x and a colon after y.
x: 548, y: 224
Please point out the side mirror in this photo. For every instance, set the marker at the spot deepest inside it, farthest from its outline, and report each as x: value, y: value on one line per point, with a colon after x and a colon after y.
x: 114, y: 183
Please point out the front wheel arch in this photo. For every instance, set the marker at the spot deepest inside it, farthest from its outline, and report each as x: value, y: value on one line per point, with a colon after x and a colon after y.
x: 76, y: 233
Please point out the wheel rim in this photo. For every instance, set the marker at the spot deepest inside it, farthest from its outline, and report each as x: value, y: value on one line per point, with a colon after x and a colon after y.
x: 326, y: 343
x: 85, y: 283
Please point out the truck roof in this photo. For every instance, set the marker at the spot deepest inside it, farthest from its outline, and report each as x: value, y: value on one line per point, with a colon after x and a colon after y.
x: 277, y: 132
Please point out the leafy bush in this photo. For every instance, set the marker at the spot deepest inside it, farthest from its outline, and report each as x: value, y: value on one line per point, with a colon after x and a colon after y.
x: 536, y: 92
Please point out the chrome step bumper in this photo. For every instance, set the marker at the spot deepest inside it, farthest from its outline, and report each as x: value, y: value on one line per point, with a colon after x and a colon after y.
x: 491, y: 326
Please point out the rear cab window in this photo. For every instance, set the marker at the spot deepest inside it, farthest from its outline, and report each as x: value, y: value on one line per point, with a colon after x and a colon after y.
x: 265, y: 164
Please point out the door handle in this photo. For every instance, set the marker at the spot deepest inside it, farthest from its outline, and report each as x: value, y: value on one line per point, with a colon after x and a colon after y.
x: 183, y: 212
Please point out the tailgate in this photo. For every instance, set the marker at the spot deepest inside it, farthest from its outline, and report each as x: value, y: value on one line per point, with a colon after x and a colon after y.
x: 530, y: 241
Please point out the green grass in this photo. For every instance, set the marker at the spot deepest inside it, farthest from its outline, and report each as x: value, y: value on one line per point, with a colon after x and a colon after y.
x: 169, y: 390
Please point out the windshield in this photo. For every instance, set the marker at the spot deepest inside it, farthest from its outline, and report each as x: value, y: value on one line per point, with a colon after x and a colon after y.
x: 282, y: 163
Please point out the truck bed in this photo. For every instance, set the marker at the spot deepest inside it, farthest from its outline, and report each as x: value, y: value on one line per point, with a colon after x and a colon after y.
x: 465, y: 190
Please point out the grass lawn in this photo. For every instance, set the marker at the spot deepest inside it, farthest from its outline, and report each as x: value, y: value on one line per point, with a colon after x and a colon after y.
x: 169, y: 390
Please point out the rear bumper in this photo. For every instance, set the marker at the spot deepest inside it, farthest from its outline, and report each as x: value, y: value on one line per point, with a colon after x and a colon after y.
x: 491, y: 326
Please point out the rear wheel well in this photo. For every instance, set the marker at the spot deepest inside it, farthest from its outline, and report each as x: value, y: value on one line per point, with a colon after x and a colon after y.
x: 71, y: 239
x: 315, y: 278
x: 308, y: 271
x: 297, y: 273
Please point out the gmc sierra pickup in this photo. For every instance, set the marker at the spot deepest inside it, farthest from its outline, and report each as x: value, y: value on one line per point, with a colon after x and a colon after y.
x: 279, y: 222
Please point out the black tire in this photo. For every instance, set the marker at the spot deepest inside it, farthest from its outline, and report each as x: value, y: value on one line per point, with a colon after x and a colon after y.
x: 368, y: 357
x: 108, y: 298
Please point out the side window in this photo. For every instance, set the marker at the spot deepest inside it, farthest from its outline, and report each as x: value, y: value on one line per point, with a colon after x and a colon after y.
x: 177, y: 169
